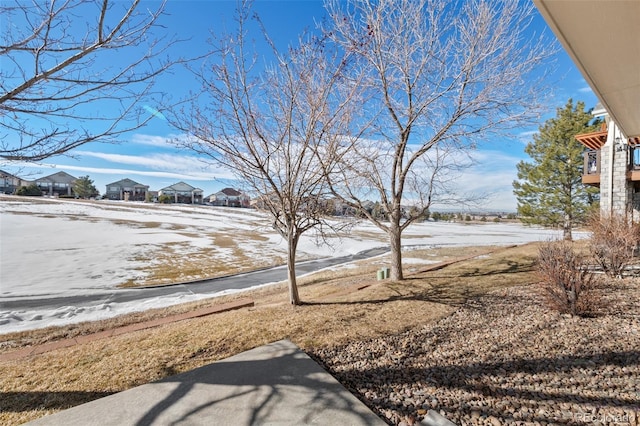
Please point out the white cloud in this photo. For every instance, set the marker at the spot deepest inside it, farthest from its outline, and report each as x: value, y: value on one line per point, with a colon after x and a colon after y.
x: 110, y: 171
x: 166, y: 165
x: 201, y: 176
x: 526, y: 135
x: 159, y: 141
x: 168, y: 141
x: 154, y: 161
x: 484, y: 184
x: 586, y: 89
x: 180, y: 173
x: 492, y: 175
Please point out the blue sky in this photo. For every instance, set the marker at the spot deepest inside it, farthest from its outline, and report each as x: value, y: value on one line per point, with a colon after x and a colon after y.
x: 146, y: 157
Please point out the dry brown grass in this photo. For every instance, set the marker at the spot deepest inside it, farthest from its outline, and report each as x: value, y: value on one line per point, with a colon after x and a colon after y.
x: 335, y: 312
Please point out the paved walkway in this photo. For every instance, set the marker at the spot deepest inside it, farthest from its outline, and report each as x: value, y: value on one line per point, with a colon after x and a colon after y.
x: 275, y: 384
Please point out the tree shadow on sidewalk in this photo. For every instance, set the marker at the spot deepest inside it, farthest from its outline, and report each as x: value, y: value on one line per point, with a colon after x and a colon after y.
x: 273, y: 384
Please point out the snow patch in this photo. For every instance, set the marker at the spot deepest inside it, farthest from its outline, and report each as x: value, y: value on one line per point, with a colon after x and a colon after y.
x: 54, y: 247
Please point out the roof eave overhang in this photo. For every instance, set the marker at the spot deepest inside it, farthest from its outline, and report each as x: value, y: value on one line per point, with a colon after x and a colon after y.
x: 601, y: 38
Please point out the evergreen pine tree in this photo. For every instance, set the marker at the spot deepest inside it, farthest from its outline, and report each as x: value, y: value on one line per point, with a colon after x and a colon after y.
x: 550, y: 190
x: 83, y: 188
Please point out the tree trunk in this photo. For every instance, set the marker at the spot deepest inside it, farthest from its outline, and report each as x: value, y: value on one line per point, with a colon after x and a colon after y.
x: 566, y: 228
x: 292, y: 245
x: 396, y: 250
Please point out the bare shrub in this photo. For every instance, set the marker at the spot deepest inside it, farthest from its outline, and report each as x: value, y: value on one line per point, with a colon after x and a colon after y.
x: 613, y: 242
x: 569, y: 287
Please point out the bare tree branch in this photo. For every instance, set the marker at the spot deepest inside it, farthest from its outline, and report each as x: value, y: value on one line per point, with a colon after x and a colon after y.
x: 439, y: 77
x: 269, y: 122
x: 63, y: 82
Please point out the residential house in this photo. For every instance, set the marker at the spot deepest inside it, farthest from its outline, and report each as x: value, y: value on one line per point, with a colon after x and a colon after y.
x: 10, y: 183
x: 60, y: 183
x: 230, y: 197
x: 127, y: 190
x: 182, y: 193
x: 612, y: 163
x: 602, y: 39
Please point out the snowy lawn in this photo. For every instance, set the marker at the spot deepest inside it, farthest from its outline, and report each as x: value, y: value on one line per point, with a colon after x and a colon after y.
x: 53, y: 247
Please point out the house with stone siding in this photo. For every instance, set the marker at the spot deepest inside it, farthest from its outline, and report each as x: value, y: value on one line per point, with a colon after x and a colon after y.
x: 602, y: 38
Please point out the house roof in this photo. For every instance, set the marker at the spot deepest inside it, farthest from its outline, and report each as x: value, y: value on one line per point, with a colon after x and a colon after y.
x: 180, y: 187
x: 127, y: 182
x: 59, y: 177
x: 602, y: 39
x: 8, y: 175
x: 230, y: 192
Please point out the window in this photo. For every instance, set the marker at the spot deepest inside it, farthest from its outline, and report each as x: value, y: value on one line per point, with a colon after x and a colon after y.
x: 635, y: 158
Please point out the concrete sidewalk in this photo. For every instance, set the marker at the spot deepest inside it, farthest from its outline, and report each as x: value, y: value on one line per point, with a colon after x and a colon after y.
x: 275, y: 384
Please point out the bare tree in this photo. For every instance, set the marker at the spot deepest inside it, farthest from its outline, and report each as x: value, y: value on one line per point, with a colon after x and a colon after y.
x: 64, y: 80
x: 437, y: 78
x: 269, y: 122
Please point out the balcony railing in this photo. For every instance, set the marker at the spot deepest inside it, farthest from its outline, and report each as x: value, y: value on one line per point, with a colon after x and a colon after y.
x: 591, y: 166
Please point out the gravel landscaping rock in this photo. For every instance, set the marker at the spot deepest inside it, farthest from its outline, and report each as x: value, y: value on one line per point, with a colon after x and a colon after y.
x: 504, y: 359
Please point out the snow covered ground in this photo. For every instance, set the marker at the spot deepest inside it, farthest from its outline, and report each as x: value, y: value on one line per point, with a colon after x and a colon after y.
x: 52, y: 247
